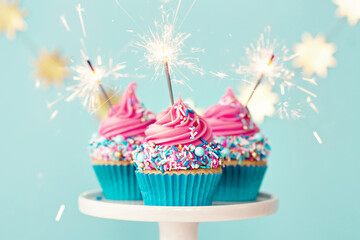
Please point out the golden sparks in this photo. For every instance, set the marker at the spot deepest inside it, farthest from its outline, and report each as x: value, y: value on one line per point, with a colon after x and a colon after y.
x: 11, y: 18
x: 51, y: 68
x: 315, y: 55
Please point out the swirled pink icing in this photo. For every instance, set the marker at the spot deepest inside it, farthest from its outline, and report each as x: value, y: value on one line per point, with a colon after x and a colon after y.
x: 128, y: 118
x: 179, y: 124
x: 230, y: 118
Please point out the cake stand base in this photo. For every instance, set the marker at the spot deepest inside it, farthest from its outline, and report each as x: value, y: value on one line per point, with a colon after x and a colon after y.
x: 176, y: 223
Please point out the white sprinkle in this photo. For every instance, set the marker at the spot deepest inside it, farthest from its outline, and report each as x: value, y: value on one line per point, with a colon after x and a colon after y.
x: 60, y: 212
x: 317, y: 137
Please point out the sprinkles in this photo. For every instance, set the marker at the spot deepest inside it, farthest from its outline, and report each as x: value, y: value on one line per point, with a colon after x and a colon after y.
x: 181, y: 157
x: 254, y: 148
x: 114, y: 149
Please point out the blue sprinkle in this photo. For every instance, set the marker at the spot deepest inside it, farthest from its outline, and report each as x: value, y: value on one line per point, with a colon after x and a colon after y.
x: 203, y: 141
x: 199, y: 151
x: 99, y: 198
x: 174, y: 148
x: 187, y: 112
x: 119, y: 139
x: 140, y: 157
x: 225, y: 152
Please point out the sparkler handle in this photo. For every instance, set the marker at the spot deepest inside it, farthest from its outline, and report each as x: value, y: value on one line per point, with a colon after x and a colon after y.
x: 105, y: 95
x: 259, y: 80
x: 166, y: 67
x: 253, y: 91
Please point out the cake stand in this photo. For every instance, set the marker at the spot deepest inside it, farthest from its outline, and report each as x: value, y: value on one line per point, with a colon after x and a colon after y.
x: 176, y: 223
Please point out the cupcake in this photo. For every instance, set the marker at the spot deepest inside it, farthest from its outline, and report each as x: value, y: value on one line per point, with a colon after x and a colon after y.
x: 179, y: 165
x: 111, y: 151
x: 244, y: 149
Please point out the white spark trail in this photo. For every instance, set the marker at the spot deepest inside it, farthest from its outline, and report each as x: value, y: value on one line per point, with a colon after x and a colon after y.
x: 317, y: 137
x: 128, y: 14
x: 306, y: 91
x: 60, y: 213
x: 54, y: 114
x: 310, y: 80
x: 80, y: 11
x: 63, y: 20
x: 220, y: 75
x: 177, y: 11
x: 187, y: 14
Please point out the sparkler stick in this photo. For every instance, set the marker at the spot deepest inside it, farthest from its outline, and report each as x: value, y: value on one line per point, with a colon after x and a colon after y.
x: 100, y: 85
x: 260, y: 79
x: 166, y: 68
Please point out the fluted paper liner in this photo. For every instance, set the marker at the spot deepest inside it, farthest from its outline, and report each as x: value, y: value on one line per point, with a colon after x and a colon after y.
x: 178, y: 190
x: 240, y: 183
x: 118, y: 182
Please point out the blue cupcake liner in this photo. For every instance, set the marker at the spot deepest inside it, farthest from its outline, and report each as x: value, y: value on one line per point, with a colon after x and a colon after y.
x: 177, y: 190
x: 240, y: 183
x: 118, y: 182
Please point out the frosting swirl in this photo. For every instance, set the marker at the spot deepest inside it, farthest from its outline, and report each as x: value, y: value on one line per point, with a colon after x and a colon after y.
x: 128, y: 118
x: 230, y: 118
x: 179, y: 124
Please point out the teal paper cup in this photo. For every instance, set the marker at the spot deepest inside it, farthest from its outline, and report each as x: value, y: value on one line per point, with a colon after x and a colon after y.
x: 240, y: 183
x: 178, y: 190
x: 118, y: 182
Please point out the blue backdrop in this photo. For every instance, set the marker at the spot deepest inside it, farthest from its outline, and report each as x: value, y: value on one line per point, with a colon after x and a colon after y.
x: 45, y: 163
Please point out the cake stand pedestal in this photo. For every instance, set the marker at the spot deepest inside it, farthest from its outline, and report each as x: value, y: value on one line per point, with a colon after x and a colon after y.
x: 176, y: 223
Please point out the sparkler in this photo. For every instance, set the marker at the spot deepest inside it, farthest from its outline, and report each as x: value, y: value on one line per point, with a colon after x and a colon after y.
x: 90, y: 81
x: 260, y: 79
x: 166, y: 68
x: 260, y: 61
x: 164, y: 50
x: 100, y: 85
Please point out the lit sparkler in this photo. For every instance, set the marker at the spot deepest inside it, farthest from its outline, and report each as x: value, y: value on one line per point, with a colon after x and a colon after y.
x: 90, y: 81
x: 164, y: 50
x: 260, y: 79
x: 271, y: 61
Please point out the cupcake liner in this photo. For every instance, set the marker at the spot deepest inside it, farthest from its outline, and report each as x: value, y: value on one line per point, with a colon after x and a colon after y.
x: 240, y: 183
x: 178, y: 190
x: 118, y: 182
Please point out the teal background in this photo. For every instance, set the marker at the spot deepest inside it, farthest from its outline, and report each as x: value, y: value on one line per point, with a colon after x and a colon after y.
x: 317, y: 184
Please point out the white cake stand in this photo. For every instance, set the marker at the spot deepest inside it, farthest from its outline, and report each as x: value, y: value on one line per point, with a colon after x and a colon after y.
x: 176, y: 223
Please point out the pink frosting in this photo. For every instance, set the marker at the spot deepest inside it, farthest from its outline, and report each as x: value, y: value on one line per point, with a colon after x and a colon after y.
x: 128, y: 118
x: 230, y: 118
x: 177, y: 125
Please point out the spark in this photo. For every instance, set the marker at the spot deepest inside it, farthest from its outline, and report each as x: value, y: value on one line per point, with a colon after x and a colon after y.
x: 54, y: 114
x: 310, y: 80
x: 63, y: 20
x: 99, y: 60
x: 258, y: 56
x: 311, y: 104
x: 306, y: 91
x: 80, y: 11
x: 220, y: 75
x: 285, y: 111
x: 316, y: 135
x: 279, y: 73
x: 164, y: 43
x: 87, y: 86
x: 60, y: 213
